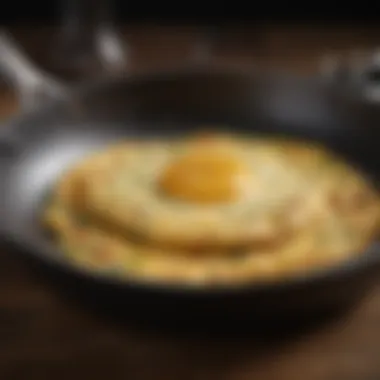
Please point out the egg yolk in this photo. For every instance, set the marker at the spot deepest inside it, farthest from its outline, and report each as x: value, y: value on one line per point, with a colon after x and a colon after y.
x: 205, y: 175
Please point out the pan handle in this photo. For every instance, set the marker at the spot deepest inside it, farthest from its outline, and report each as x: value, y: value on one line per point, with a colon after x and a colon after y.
x: 32, y: 86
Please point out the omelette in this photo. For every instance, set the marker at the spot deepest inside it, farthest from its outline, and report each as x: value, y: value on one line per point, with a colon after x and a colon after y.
x: 212, y: 209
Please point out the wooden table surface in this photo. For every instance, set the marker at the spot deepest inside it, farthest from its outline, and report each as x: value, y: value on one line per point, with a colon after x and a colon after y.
x: 43, y: 336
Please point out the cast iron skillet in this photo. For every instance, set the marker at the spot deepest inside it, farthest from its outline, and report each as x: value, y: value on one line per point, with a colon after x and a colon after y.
x: 41, y: 143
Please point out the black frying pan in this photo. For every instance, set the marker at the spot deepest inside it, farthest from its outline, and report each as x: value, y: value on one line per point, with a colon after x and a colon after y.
x: 42, y: 142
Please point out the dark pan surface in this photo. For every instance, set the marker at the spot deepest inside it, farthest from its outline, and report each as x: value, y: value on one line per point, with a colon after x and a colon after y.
x: 38, y: 147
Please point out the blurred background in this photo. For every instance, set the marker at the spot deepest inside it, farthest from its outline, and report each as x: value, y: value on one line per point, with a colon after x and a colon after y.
x: 45, y: 11
x: 78, y: 40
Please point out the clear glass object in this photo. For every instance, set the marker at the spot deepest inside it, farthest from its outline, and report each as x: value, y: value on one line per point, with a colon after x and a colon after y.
x: 88, y: 42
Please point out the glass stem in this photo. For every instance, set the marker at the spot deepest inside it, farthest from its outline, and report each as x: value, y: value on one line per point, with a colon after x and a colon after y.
x: 89, y: 39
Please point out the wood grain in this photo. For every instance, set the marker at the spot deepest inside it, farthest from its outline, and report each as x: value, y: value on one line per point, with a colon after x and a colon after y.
x: 44, y: 336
